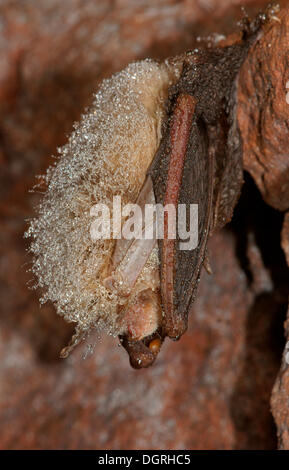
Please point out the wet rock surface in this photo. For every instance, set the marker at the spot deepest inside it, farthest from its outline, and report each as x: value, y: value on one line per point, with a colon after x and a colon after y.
x: 212, y: 388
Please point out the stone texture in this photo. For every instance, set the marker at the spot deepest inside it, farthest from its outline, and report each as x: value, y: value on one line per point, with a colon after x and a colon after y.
x: 263, y: 112
x: 212, y: 388
x: 280, y: 393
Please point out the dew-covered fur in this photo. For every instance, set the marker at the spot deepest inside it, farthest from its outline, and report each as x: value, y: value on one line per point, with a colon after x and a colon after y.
x: 107, y: 154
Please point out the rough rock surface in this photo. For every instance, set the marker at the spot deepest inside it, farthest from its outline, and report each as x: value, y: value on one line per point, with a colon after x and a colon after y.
x: 211, y: 389
x: 285, y: 236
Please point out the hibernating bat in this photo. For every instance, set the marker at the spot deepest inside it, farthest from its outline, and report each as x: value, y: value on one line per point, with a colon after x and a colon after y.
x: 162, y: 132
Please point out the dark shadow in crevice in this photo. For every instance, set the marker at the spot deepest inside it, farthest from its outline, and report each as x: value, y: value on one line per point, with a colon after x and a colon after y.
x: 250, y: 402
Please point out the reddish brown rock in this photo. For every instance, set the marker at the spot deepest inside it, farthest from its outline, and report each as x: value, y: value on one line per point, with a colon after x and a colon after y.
x: 280, y: 393
x: 263, y: 115
x: 263, y: 111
